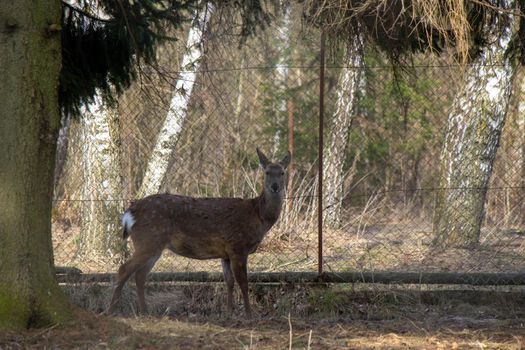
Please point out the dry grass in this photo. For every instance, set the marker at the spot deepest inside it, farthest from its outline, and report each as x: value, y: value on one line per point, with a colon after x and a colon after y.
x: 320, y: 318
x: 396, y: 242
x: 387, y: 232
x: 442, y: 23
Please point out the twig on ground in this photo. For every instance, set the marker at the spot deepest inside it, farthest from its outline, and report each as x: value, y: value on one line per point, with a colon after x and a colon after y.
x: 39, y: 334
x: 273, y: 268
x: 291, y: 333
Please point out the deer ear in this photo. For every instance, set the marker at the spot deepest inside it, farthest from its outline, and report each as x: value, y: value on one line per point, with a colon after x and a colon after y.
x: 286, y: 160
x: 262, y: 158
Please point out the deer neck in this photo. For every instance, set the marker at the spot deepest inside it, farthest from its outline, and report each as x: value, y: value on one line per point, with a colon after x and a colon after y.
x: 270, y: 205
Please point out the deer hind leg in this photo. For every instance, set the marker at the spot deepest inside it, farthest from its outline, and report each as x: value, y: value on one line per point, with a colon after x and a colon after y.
x: 239, y: 265
x: 137, y: 260
x: 140, y: 281
x: 228, y: 278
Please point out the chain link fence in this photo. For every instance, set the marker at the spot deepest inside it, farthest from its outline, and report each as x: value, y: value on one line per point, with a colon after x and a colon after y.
x: 386, y: 129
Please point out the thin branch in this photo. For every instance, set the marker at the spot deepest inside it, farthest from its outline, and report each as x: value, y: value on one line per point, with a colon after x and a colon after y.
x: 86, y: 14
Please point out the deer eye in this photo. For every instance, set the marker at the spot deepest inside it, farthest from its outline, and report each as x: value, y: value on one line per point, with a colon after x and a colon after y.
x: 282, y: 173
x: 267, y: 173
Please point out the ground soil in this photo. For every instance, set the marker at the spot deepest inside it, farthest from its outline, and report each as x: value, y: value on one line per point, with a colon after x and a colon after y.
x: 267, y: 333
x: 300, y: 318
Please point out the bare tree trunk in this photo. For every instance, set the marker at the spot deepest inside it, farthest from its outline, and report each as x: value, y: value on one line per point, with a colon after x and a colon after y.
x: 62, y: 147
x: 333, y: 172
x: 283, y: 69
x: 471, y: 142
x: 29, y: 123
x: 172, y: 126
x: 517, y: 158
x: 102, y: 185
x: 291, y: 149
x: 240, y: 101
x: 505, y: 205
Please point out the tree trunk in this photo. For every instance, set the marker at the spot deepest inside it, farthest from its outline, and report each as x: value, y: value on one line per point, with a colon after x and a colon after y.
x: 515, y: 172
x: 172, y: 126
x: 102, y: 185
x: 334, y: 159
x: 282, y: 71
x: 521, y: 161
x: 471, y: 141
x: 291, y: 149
x: 29, y: 123
x: 505, y: 205
x: 62, y: 148
x: 237, y: 133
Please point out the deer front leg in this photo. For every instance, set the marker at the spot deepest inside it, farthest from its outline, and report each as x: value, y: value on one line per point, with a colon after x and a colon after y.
x: 239, y: 265
x: 228, y: 278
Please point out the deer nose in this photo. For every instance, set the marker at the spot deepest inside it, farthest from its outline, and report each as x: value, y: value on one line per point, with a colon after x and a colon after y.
x: 275, y: 187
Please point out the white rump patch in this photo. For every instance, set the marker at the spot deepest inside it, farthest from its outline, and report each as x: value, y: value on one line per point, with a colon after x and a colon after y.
x: 128, y: 221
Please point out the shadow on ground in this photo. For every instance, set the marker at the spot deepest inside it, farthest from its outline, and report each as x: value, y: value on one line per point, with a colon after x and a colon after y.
x: 192, y: 316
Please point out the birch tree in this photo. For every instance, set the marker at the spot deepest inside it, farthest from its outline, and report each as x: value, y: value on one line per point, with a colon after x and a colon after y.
x: 505, y: 205
x: 474, y: 127
x: 102, y: 172
x: 348, y: 83
x: 282, y: 69
x: 177, y: 112
x: 102, y: 185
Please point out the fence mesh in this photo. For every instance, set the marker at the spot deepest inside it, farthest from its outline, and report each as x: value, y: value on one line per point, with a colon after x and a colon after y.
x: 380, y: 201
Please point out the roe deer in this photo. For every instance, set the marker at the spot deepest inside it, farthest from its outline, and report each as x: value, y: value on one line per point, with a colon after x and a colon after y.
x: 229, y: 229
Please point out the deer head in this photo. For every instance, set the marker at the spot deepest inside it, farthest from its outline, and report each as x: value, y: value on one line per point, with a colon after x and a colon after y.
x: 273, y: 174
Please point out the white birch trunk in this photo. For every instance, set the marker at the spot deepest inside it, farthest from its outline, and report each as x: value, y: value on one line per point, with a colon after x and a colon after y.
x: 240, y: 101
x: 283, y: 69
x: 472, y: 138
x: 172, y: 126
x: 333, y: 167
x: 102, y: 185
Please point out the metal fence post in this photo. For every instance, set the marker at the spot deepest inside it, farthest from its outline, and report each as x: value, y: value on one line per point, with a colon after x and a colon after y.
x: 321, y: 142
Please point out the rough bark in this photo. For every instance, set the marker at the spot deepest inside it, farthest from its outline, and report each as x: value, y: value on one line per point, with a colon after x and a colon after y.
x: 472, y: 138
x: 102, y: 182
x: 29, y: 123
x: 333, y: 172
x: 172, y: 126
